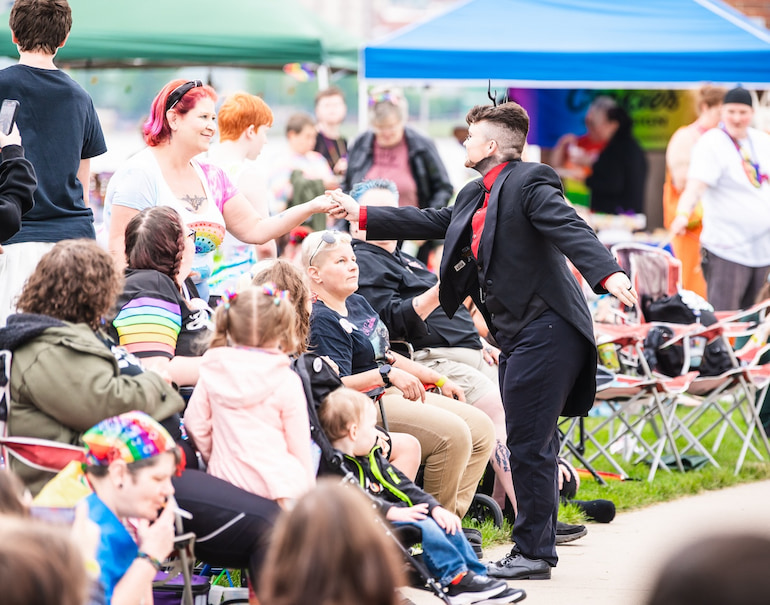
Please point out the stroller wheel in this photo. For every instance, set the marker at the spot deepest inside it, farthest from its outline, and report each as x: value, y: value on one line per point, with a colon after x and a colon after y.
x: 485, y: 507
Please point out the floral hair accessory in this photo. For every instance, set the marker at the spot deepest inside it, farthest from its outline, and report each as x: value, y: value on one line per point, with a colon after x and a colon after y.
x: 129, y: 437
x: 385, y: 96
x: 227, y: 298
x: 271, y: 289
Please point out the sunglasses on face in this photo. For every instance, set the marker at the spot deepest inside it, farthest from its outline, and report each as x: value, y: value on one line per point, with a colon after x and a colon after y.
x: 180, y: 91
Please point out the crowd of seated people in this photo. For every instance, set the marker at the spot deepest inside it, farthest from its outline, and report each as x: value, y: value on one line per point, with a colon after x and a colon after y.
x: 182, y: 407
x: 103, y: 343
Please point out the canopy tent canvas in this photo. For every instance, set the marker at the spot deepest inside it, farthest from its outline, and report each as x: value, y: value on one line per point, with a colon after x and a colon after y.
x: 577, y: 44
x: 245, y: 33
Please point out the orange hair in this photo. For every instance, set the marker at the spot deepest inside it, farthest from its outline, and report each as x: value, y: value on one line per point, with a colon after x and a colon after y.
x: 238, y: 112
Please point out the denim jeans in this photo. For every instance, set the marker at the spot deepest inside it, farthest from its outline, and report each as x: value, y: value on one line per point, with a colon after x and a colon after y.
x: 445, y: 555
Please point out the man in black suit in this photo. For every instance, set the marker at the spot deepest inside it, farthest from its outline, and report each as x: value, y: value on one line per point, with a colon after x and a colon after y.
x: 506, y: 238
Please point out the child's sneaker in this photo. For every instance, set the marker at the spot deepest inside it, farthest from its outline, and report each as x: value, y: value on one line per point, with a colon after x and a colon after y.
x: 509, y: 595
x: 473, y: 588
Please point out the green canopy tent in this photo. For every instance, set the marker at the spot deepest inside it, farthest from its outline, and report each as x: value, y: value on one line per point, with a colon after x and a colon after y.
x: 242, y: 33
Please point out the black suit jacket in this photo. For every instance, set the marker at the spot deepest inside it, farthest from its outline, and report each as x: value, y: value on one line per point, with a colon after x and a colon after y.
x: 528, y: 232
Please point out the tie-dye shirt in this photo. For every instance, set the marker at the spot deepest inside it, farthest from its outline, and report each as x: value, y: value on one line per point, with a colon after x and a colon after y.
x: 139, y: 184
x: 151, y: 318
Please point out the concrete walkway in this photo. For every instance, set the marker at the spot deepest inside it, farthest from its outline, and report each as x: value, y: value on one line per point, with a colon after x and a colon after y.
x: 616, y: 563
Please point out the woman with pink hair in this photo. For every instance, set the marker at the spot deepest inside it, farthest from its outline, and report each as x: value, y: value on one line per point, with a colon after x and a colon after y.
x: 181, y: 125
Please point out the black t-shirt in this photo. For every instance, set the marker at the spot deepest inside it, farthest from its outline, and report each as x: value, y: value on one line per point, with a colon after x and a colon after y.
x: 59, y: 126
x: 356, y: 342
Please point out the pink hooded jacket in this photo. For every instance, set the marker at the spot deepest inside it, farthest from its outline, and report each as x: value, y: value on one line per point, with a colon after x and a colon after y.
x: 248, y: 418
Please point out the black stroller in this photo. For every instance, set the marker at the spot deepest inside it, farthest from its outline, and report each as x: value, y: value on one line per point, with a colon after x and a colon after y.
x: 318, y: 380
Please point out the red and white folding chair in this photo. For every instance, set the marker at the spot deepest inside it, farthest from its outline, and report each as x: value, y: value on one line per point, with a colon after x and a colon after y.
x: 654, y: 272
x: 41, y: 454
x: 639, y: 401
x: 733, y: 394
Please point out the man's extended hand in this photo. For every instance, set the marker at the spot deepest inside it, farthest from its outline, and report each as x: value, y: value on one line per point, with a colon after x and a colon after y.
x: 620, y: 287
x: 348, y: 207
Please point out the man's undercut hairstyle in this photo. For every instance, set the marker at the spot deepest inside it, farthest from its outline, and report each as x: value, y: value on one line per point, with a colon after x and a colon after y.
x: 508, y: 125
x: 40, y: 25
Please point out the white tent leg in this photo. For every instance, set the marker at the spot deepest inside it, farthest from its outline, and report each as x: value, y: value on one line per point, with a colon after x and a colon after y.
x: 363, y: 105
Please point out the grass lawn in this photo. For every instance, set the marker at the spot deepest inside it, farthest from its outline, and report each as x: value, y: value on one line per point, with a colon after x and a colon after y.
x: 638, y: 492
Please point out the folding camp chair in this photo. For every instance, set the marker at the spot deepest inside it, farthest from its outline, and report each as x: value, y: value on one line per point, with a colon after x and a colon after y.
x: 654, y: 273
x: 733, y: 395
x: 628, y: 398
x: 638, y: 399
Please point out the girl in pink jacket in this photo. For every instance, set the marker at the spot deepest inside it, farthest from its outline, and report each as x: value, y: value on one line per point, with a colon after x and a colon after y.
x: 248, y: 412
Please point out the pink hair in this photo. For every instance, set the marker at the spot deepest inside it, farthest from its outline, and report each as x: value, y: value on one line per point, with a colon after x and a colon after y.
x: 156, y: 129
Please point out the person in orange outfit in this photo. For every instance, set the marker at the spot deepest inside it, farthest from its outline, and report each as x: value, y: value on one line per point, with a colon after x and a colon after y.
x: 687, y: 246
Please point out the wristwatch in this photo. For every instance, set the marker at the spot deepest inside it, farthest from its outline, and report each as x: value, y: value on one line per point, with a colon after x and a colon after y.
x: 385, y: 374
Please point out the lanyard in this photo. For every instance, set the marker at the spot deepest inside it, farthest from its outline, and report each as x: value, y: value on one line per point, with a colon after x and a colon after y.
x: 750, y: 168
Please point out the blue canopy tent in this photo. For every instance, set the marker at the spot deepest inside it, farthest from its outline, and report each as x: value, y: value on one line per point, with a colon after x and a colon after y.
x: 577, y: 44
x: 574, y: 44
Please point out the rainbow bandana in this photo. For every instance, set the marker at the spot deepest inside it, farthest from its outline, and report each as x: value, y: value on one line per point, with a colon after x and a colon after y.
x: 130, y: 437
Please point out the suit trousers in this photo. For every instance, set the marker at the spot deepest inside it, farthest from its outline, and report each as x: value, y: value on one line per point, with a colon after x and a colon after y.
x: 538, y: 369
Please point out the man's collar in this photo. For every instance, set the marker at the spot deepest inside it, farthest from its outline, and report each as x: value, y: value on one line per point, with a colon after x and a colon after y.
x: 491, y: 176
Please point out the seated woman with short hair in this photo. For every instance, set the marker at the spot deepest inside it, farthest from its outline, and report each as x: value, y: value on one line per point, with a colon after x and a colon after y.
x: 456, y: 438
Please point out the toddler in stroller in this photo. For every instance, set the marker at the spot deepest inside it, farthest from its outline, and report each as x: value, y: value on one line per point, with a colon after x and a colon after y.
x: 348, y: 420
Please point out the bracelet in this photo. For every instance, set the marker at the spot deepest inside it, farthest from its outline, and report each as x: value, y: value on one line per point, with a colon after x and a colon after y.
x: 441, y: 382
x: 151, y: 560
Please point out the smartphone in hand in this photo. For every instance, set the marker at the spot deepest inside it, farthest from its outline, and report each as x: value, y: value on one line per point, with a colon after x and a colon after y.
x: 8, y: 115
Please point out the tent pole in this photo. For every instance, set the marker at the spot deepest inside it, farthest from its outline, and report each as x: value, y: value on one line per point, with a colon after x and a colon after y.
x: 425, y: 108
x: 323, y: 76
x: 363, y: 105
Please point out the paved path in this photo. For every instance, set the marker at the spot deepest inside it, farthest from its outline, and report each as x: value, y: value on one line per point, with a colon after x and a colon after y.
x: 616, y: 563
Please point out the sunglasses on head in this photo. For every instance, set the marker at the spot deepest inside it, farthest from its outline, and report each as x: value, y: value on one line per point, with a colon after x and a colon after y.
x: 180, y: 91
x: 328, y: 237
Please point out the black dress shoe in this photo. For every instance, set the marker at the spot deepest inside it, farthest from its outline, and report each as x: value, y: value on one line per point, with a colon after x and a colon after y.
x: 515, y: 566
x: 567, y: 533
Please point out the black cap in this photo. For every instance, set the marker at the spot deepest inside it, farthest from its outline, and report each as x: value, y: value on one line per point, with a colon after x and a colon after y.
x: 738, y: 95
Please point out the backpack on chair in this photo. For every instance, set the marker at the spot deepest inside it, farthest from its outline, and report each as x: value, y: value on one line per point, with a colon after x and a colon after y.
x: 684, y: 307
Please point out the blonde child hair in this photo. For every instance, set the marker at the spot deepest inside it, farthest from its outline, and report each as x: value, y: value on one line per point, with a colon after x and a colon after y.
x: 254, y: 317
x: 341, y: 408
x: 289, y: 277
